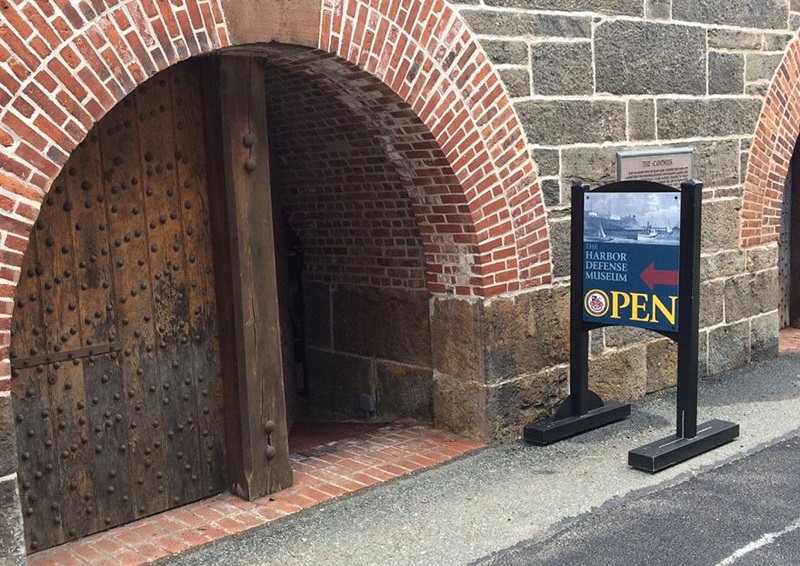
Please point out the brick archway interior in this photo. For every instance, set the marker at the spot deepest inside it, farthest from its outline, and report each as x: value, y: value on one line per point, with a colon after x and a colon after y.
x: 771, y: 153
x: 426, y: 54
x: 371, y: 205
x: 402, y: 219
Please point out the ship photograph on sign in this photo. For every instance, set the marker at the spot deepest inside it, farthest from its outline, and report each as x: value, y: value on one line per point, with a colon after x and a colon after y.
x: 617, y: 217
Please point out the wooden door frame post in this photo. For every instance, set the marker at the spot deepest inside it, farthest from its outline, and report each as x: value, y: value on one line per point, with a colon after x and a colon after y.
x: 245, y: 260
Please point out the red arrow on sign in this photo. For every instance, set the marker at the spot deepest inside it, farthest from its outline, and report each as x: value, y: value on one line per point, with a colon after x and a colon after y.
x: 652, y: 276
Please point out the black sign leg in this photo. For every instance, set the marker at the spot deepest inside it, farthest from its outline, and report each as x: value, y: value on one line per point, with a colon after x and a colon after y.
x: 690, y: 440
x: 583, y: 409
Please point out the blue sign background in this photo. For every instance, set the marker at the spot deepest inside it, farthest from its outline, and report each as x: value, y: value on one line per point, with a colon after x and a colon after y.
x: 626, y: 277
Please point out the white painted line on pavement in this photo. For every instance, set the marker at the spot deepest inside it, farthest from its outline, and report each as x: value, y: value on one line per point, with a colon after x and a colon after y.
x: 765, y: 540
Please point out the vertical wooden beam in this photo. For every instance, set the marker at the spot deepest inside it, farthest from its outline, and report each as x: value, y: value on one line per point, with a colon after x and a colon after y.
x: 248, y: 287
x: 220, y: 241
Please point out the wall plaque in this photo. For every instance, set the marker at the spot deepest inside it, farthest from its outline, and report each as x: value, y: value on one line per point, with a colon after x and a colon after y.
x: 668, y: 166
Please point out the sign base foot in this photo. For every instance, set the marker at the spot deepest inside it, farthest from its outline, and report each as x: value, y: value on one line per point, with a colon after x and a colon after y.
x: 548, y: 432
x: 672, y: 450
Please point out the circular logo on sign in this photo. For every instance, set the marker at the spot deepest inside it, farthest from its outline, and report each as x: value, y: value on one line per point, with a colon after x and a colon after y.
x: 596, y: 302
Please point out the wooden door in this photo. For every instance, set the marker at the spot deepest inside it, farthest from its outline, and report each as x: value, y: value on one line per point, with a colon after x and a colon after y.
x: 116, y: 376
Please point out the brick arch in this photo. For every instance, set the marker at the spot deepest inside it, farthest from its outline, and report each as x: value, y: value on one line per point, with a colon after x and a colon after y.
x: 774, y: 142
x: 438, y: 201
x: 62, y: 68
x: 419, y: 48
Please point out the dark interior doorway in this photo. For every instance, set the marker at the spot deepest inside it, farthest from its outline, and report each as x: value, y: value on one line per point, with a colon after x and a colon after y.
x: 789, y: 248
x: 355, y: 301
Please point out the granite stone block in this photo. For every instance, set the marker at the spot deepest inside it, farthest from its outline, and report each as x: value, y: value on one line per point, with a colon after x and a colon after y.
x: 650, y: 58
x: 520, y: 24
x: 688, y: 118
x: 770, y: 14
x: 725, y: 73
x: 611, y: 7
x: 560, y: 122
x: 562, y: 68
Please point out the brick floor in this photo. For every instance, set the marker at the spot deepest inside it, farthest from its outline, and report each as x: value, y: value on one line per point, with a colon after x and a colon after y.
x: 363, y: 455
x: 789, y: 341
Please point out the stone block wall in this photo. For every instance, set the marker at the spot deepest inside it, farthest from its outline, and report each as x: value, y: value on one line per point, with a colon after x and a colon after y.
x: 507, y: 363
x: 589, y: 78
x: 368, y: 340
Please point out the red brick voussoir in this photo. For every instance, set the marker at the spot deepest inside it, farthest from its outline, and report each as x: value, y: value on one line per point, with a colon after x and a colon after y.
x: 770, y: 154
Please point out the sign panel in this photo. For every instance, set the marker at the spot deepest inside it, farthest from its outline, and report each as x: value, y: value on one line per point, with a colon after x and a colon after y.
x: 631, y: 259
x: 667, y: 166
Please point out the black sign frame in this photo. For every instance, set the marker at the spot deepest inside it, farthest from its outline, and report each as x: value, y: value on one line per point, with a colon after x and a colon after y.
x: 583, y: 409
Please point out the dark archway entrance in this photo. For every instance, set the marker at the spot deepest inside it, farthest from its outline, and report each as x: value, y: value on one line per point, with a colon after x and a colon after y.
x: 342, y: 184
x: 789, y: 247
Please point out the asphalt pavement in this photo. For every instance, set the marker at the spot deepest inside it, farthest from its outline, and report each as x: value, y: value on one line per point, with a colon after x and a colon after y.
x: 577, y: 500
x: 745, y: 513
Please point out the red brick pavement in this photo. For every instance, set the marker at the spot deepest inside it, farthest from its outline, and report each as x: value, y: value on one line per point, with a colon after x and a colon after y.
x: 321, y: 473
x: 789, y: 340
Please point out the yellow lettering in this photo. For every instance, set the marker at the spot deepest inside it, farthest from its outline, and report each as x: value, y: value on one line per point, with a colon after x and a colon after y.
x: 639, y: 305
x: 641, y: 309
x: 615, y: 302
x: 668, y: 314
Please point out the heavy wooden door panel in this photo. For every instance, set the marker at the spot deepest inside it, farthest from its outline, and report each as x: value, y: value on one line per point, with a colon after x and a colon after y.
x: 115, y: 357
